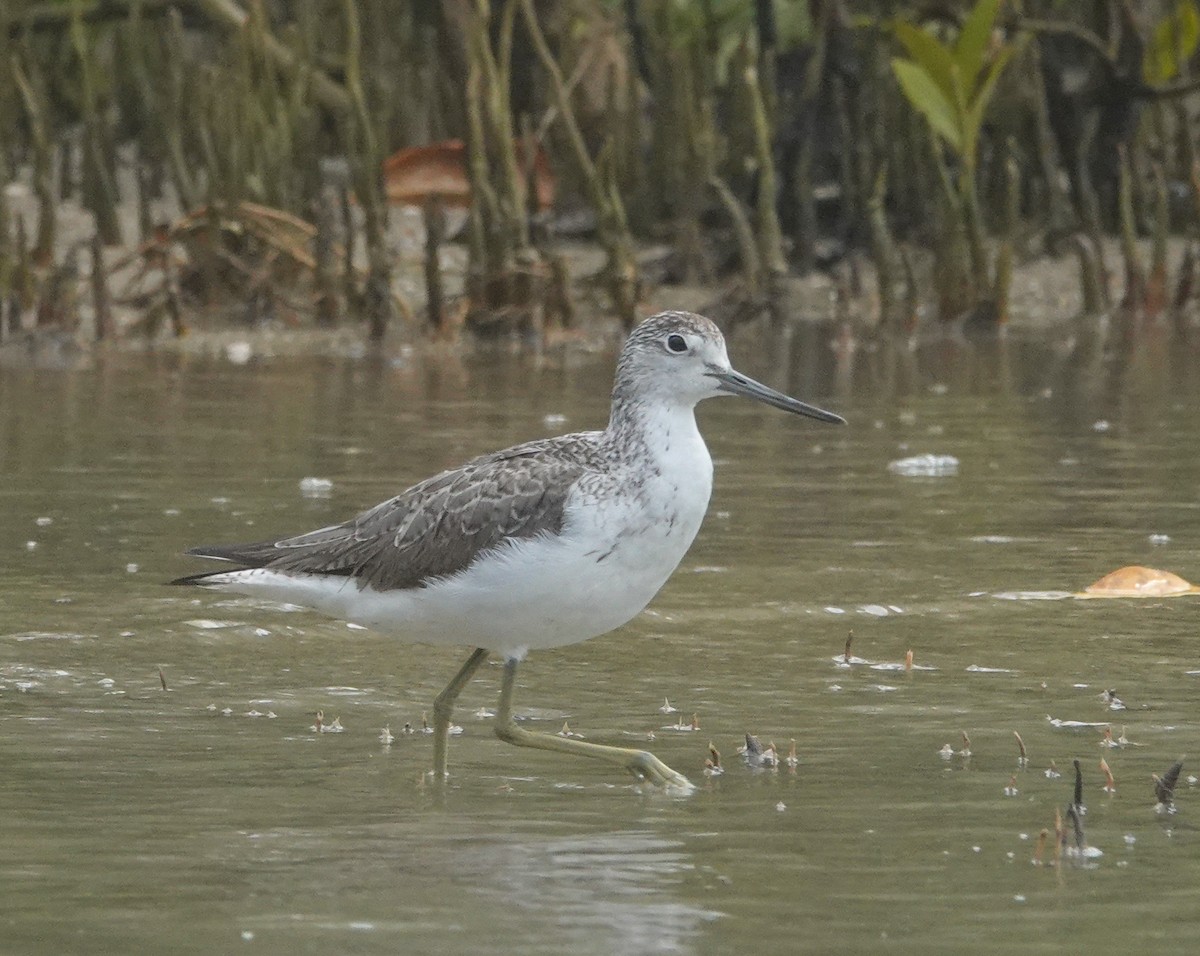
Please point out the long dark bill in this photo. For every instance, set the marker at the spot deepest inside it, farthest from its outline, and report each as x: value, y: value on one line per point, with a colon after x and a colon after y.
x: 735, y: 383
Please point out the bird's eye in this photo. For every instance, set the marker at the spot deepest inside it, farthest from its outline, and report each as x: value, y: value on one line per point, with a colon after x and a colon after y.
x: 677, y: 344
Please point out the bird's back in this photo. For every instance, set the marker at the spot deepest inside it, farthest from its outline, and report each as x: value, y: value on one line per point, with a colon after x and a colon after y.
x: 438, y: 526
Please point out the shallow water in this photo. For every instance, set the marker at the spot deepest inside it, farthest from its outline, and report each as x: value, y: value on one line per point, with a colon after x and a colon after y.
x: 213, y: 817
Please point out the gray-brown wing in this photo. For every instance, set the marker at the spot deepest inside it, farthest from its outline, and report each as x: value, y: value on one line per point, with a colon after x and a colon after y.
x: 435, y: 528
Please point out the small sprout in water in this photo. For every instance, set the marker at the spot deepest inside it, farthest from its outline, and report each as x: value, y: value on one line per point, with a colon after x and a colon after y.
x: 946, y: 752
x: 1110, y: 785
x: 1123, y: 741
x: 162, y: 679
x: 1164, y: 786
x: 320, y: 724
x: 666, y: 708
x: 386, y: 737
x: 1052, y: 772
x: 908, y: 660
x: 1041, y: 847
x: 425, y: 728
x: 1114, y: 702
x: 695, y: 721
x: 1022, y: 760
x: 333, y: 728
x: 568, y: 732
x: 770, y: 756
x: 966, y: 748
x: 791, y: 759
x: 1011, y: 790
x: 712, y: 764
x: 1108, y: 739
x: 849, y: 641
x: 1077, y: 799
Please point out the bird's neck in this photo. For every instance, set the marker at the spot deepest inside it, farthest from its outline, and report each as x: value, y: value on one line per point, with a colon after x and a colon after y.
x: 653, y: 428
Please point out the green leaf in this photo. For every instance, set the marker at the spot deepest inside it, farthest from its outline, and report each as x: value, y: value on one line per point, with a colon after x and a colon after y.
x: 928, y: 53
x: 1175, y: 39
x: 978, y: 107
x: 925, y: 95
x: 971, y: 48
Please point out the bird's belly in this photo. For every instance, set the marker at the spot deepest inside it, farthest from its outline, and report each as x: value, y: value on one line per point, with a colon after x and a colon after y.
x: 546, y: 591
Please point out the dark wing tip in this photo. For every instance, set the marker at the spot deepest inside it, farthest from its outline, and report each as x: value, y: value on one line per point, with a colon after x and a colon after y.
x: 234, y: 554
x: 198, y: 580
x: 219, y: 552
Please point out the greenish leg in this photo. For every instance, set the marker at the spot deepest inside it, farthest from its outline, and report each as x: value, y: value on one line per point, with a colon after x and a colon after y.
x: 443, y: 708
x: 642, y: 764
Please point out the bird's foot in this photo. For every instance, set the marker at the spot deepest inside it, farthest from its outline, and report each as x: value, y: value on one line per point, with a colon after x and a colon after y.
x: 645, y: 766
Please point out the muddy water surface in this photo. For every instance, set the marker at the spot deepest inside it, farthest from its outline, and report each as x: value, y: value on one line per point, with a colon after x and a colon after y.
x: 213, y: 816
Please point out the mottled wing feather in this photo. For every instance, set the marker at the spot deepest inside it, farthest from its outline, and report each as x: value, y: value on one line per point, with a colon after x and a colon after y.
x: 437, y: 527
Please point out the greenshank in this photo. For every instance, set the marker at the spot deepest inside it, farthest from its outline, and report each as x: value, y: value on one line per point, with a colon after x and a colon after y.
x: 545, y: 544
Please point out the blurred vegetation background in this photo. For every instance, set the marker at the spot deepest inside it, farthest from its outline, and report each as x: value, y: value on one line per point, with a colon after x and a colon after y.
x: 172, y: 163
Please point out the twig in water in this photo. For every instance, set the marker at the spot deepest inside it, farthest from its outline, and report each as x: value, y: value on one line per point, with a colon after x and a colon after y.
x: 1110, y: 785
x: 1024, y: 758
x: 162, y: 679
x: 712, y: 764
x: 1041, y: 847
x: 1076, y: 819
x: 849, y: 641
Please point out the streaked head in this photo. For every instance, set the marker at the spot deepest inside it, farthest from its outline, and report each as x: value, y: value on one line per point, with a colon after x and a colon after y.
x: 680, y: 358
